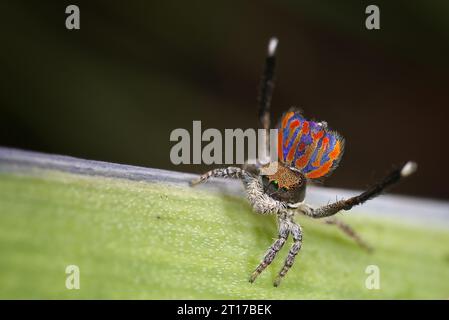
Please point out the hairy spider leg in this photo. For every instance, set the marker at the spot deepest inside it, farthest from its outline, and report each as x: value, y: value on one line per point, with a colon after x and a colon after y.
x: 284, y: 230
x: 375, y: 190
x: 267, y: 88
x: 349, y: 231
x: 296, y: 233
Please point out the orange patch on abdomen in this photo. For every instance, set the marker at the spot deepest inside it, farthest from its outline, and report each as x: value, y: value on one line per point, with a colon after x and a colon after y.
x: 336, y: 152
x: 304, y: 159
x: 280, y: 154
x: 305, y: 127
x: 318, y: 135
x: 294, y: 124
x: 286, y: 118
x: 321, y: 171
x: 291, y: 152
x: 323, y: 148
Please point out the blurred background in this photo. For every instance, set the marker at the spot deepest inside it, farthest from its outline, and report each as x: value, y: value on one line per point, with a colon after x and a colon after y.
x: 136, y: 70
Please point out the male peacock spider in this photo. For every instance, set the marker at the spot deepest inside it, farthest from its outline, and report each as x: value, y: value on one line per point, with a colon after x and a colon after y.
x: 308, y: 150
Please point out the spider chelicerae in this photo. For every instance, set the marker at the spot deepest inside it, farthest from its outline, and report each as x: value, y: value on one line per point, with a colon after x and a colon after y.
x: 307, y: 151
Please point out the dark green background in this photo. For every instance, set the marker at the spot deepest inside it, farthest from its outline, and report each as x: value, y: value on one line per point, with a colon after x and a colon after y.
x: 136, y: 70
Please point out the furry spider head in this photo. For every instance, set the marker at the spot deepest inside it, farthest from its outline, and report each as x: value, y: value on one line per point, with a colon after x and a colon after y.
x: 287, y: 184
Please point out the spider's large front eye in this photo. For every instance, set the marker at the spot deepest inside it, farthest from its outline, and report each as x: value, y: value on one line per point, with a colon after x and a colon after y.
x: 275, y: 184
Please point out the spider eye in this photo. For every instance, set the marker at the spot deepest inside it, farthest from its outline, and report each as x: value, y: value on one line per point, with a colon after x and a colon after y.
x: 275, y: 183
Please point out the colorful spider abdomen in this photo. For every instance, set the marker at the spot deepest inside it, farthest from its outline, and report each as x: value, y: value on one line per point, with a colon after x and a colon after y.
x: 309, y: 146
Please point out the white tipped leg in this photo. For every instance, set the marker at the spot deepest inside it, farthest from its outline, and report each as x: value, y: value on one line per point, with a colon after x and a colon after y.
x: 409, y: 168
x: 272, y: 46
x: 375, y: 190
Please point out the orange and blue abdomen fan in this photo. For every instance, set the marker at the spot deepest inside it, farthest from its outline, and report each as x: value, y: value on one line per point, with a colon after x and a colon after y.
x: 308, y: 146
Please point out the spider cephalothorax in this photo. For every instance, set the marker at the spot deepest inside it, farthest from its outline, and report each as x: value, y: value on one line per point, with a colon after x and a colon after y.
x: 307, y: 150
x: 287, y: 184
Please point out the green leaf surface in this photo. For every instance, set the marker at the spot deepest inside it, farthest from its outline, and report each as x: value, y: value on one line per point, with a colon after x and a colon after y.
x: 159, y: 241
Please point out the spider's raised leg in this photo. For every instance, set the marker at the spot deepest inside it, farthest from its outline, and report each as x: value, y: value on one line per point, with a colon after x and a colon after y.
x: 229, y: 172
x: 296, y: 232
x: 284, y: 230
x: 349, y: 231
x: 375, y: 190
x: 267, y: 87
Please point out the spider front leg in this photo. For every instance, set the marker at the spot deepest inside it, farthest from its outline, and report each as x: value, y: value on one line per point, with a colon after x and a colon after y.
x: 229, y: 172
x: 347, y: 204
x: 284, y: 230
x: 296, y: 232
